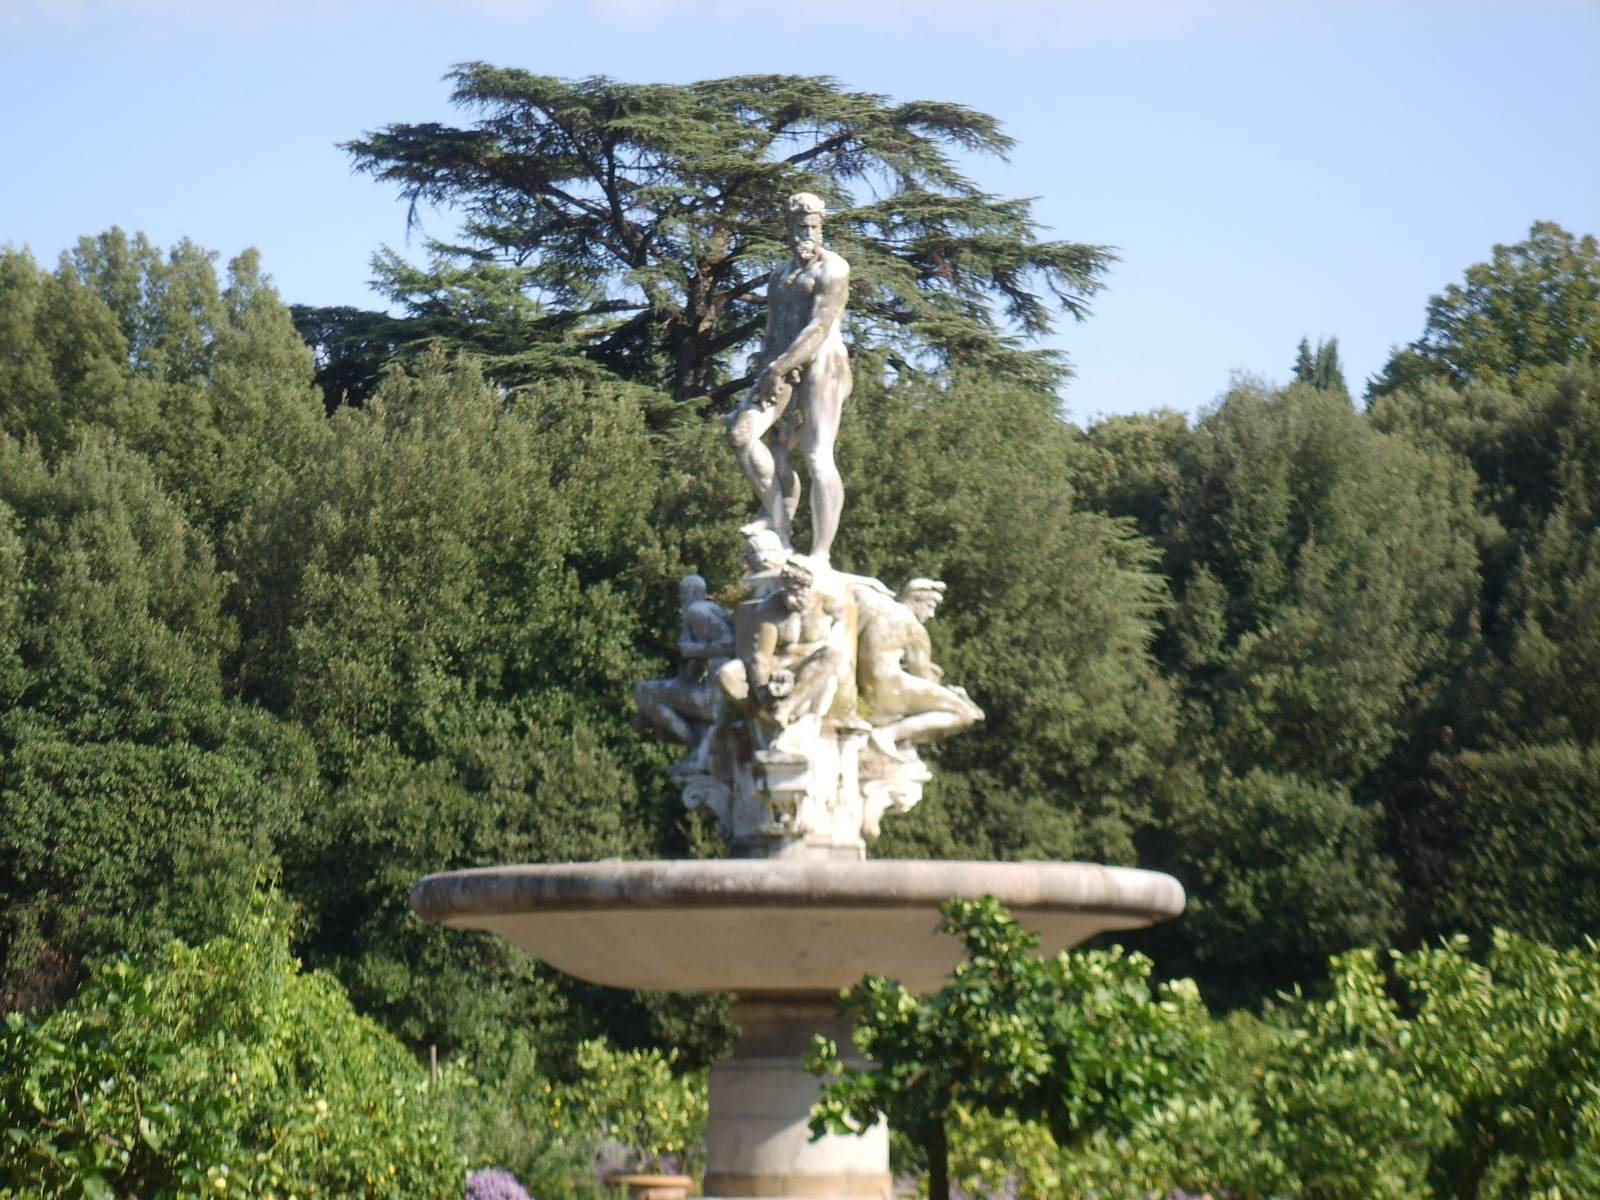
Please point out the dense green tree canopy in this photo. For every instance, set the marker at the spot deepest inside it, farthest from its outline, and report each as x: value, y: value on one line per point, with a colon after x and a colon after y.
x: 1456, y: 1072
x: 1325, y: 587
x: 1494, y: 818
x: 1335, y: 669
x: 449, y: 603
x: 63, y: 359
x: 1048, y: 620
x: 138, y: 799
x: 1323, y: 571
x: 397, y: 636
x: 1533, y: 304
x: 629, y: 229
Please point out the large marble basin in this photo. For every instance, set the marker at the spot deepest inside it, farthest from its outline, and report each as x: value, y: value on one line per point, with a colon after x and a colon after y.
x: 764, y: 926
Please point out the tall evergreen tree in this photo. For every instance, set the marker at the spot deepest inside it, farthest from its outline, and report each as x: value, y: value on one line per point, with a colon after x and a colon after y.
x: 1499, y: 822
x: 226, y: 401
x: 1320, y: 370
x: 1305, y: 367
x: 63, y: 359
x: 453, y: 601
x: 137, y: 800
x: 629, y: 229
x: 143, y: 407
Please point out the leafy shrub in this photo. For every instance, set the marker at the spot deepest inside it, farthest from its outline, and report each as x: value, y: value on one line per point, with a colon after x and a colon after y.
x: 502, y: 1115
x: 220, y: 1069
x: 1445, y: 1077
x: 1076, y: 1043
x: 636, y: 1109
x: 637, y: 1100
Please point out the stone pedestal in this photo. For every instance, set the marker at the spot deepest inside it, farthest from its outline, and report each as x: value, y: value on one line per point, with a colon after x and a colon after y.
x: 757, y: 1140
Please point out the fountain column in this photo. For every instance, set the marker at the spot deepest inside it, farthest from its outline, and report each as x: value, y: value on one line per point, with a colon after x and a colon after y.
x: 758, y: 1143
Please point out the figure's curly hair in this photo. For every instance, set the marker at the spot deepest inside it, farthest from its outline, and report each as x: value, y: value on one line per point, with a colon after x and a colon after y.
x: 807, y: 202
x: 799, y: 568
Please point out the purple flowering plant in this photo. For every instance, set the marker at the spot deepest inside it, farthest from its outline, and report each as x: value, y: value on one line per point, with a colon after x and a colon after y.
x: 495, y: 1183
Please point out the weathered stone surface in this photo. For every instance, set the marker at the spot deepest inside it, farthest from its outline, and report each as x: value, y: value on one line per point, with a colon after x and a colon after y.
x: 784, y: 926
x: 803, y: 715
x: 757, y: 1141
x: 797, y: 401
x: 685, y: 707
x: 805, y: 711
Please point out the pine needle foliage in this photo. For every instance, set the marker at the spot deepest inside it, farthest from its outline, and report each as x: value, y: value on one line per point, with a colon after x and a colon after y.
x: 610, y: 228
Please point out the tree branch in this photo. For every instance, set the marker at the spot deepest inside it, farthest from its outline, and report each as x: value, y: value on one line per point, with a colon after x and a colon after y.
x: 734, y: 336
x: 733, y: 386
x: 740, y: 290
x: 822, y: 147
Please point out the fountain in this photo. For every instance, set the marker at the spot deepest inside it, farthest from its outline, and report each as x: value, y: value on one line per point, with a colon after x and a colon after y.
x: 802, y: 712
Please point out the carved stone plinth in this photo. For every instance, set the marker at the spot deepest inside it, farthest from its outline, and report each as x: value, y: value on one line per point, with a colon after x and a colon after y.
x: 783, y: 803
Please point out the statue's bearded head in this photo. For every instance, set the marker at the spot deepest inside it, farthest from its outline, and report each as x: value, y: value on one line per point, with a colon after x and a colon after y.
x: 805, y: 225
x: 799, y: 578
x: 922, y: 597
x: 763, y: 550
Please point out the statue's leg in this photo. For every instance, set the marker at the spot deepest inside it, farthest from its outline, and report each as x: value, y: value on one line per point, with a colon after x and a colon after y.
x: 922, y: 727
x: 912, y: 694
x: 822, y: 393
x: 931, y: 711
x: 788, y: 480
x: 816, y: 683
x: 652, y: 697
x: 734, y: 681
x: 746, y: 434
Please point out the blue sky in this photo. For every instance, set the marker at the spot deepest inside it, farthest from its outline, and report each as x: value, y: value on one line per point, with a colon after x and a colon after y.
x: 1267, y: 169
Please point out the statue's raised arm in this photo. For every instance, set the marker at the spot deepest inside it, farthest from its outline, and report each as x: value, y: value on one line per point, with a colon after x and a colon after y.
x: 798, y: 397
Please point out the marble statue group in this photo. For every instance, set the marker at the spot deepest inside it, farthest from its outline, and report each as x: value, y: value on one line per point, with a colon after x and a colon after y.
x: 803, y: 708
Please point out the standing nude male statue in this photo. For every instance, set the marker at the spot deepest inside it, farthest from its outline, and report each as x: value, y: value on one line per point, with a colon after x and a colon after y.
x: 798, y: 397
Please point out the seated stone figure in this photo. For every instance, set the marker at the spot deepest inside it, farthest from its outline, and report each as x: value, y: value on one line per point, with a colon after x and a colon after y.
x: 795, y: 655
x: 898, y: 679
x: 764, y: 555
x: 685, y: 707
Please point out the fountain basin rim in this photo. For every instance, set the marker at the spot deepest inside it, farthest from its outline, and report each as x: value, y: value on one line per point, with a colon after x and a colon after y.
x: 452, y: 897
x: 785, y: 926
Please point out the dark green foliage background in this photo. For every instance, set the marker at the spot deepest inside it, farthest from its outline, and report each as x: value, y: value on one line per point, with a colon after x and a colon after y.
x: 1335, y: 669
